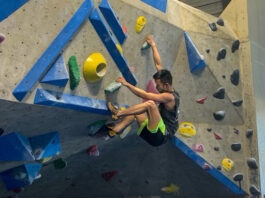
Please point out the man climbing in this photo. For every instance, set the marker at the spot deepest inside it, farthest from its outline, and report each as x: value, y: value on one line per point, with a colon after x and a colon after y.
x: 155, y: 123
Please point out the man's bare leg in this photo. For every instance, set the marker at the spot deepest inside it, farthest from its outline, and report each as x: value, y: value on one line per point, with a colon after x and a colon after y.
x: 126, y: 121
x: 148, y: 107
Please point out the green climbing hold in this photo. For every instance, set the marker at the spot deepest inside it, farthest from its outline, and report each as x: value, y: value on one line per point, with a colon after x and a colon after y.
x: 145, y: 46
x: 74, y: 72
x: 59, y: 163
x: 94, y: 127
x: 112, y: 87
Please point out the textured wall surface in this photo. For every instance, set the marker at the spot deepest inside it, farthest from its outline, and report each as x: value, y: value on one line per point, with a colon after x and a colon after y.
x: 31, y: 29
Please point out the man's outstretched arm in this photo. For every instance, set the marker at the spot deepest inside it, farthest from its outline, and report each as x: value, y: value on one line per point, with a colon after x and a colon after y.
x: 162, y: 97
x: 156, y: 56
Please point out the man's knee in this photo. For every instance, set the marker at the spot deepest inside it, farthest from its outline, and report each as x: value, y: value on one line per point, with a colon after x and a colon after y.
x: 151, y: 104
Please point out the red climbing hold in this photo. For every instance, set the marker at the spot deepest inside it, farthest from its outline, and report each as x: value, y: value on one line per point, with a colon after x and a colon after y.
x: 107, y: 176
x: 202, y: 100
x: 206, y: 166
x: 218, y: 137
x: 150, y: 88
x: 124, y: 29
x: 93, y: 150
x: 17, y: 190
x: 197, y: 147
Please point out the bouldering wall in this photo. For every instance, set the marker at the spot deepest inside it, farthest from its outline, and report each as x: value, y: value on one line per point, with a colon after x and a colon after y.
x: 41, y: 31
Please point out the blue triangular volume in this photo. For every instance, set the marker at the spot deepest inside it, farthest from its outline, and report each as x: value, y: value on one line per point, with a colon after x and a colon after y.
x: 158, y: 4
x: 195, y: 59
x: 57, y: 74
x: 15, y: 147
x: 32, y: 170
x: 20, y: 176
x: 45, y: 145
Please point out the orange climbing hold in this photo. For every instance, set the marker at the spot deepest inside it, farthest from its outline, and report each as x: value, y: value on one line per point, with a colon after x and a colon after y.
x: 124, y: 29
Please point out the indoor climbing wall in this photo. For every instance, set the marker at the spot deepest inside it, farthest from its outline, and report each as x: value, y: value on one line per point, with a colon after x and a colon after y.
x: 65, y: 56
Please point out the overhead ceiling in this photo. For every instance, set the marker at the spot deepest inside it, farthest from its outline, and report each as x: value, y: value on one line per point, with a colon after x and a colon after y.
x: 213, y: 7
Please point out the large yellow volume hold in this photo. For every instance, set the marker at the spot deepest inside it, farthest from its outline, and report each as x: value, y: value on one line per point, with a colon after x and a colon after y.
x: 94, y: 67
x: 140, y: 23
x: 187, y: 129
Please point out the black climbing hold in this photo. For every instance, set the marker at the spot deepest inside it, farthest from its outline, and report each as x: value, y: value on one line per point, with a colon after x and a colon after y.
x: 236, y: 146
x: 219, y: 115
x: 235, y: 77
x: 208, y: 51
x: 223, y: 76
x: 235, y: 46
x: 252, y: 163
x: 249, y: 133
x: 216, y: 148
x: 219, y: 168
x: 220, y: 93
x: 238, y: 177
x: 209, y: 129
x: 220, y: 22
x: 221, y: 54
x: 213, y: 27
x: 254, y: 190
x: 237, y: 103
x: 1, y: 131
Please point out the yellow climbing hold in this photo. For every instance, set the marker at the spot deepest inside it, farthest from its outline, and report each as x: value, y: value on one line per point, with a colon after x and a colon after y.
x: 125, y: 132
x: 227, y: 164
x: 172, y: 188
x: 140, y: 23
x: 94, y: 67
x: 119, y: 48
x: 112, y: 133
x: 44, y: 160
x: 187, y: 129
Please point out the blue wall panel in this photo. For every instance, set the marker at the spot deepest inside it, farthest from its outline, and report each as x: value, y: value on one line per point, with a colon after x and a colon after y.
x: 194, y: 56
x: 108, y: 41
x: 7, y: 7
x: 112, y: 20
x: 68, y: 101
x: 50, y: 54
x: 213, y: 171
x: 158, y: 4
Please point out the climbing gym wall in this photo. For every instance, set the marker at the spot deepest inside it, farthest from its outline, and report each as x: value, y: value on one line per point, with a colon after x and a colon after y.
x: 59, y: 61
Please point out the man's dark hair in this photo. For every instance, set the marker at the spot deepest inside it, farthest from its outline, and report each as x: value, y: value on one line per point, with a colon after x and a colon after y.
x: 164, y: 76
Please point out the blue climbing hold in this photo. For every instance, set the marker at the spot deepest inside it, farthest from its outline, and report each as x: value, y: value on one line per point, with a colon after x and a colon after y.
x: 15, y: 147
x: 196, y: 60
x: 158, y: 4
x: 57, y: 74
x: 20, y: 176
x: 112, y: 20
x: 45, y: 145
x: 105, y: 36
